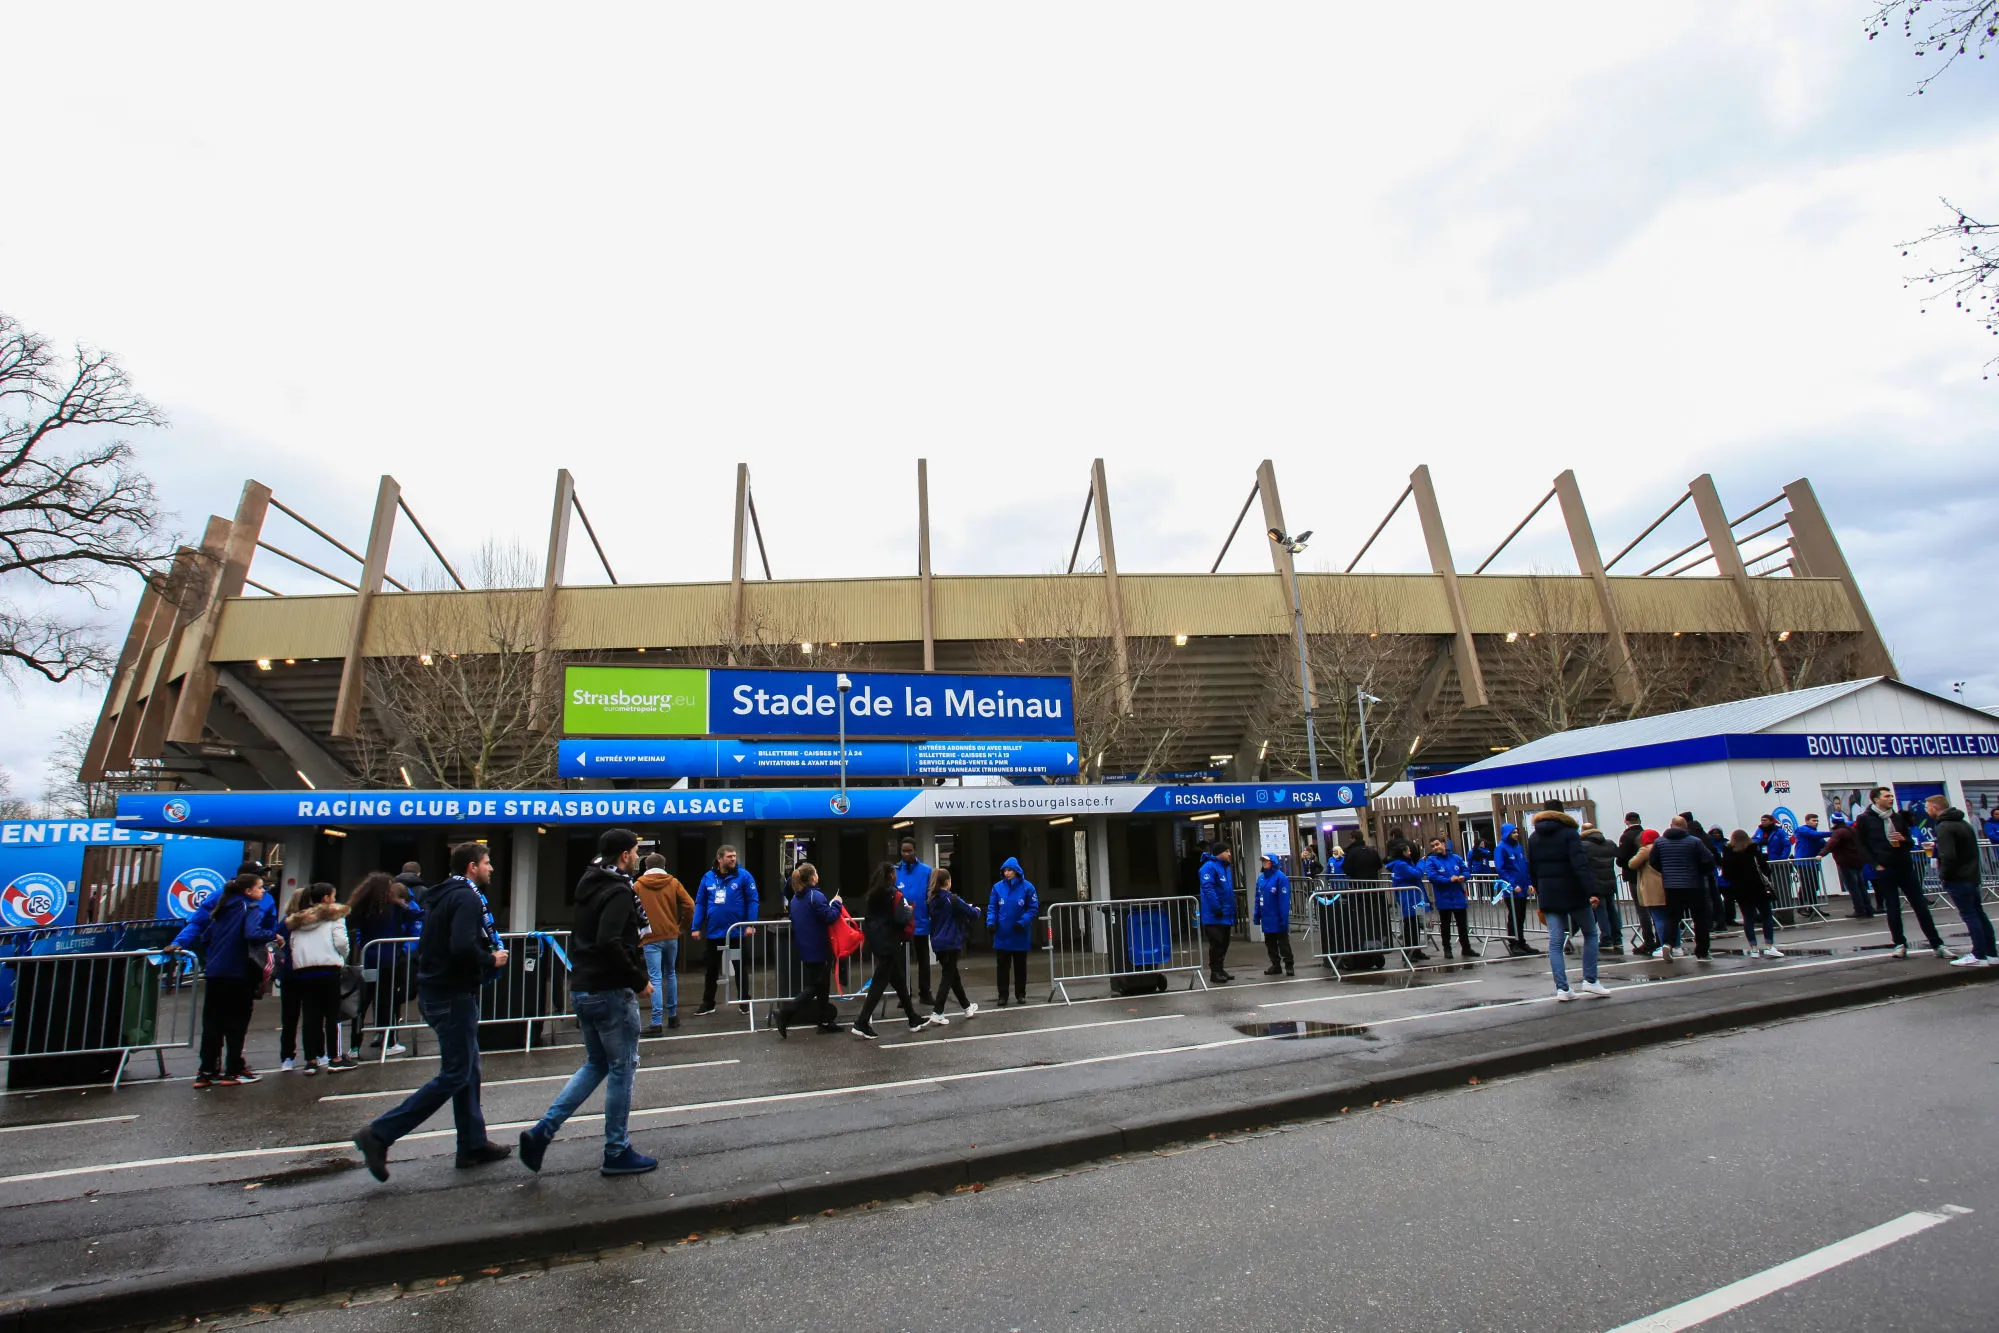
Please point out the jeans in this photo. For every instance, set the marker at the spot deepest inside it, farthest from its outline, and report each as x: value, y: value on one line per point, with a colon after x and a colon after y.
x: 1755, y: 912
x: 1609, y: 925
x: 1971, y: 906
x: 1900, y: 878
x: 1648, y: 918
x: 609, y: 1020
x: 1664, y: 928
x: 814, y: 1000
x: 454, y: 1017
x: 1855, y: 885
x: 1559, y: 925
x: 663, y: 966
x: 949, y: 983
x: 225, y: 1018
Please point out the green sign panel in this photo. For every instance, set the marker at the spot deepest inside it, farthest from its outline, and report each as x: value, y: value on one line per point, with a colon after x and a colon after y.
x: 635, y: 701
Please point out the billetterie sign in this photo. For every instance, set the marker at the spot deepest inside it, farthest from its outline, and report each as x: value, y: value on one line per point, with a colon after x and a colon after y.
x: 751, y: 704
x: 258, y: 810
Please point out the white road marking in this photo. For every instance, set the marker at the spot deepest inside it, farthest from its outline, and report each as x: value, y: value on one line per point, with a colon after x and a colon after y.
x: 515, y: 1082
x: 1755, y: 1287
x: 1024, y: 1032
x: 65, y: 1124
x: 1365, y: 995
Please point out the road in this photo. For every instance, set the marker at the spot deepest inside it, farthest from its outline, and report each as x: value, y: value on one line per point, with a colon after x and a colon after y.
x: 1580, y: 1198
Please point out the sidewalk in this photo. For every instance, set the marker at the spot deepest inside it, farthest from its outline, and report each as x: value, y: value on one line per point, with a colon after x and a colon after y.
x: 131, y: 1206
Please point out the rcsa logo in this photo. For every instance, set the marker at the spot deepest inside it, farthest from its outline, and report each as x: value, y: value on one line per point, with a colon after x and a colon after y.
x: 1786, y: 820
x: 192, y: 888
x: 34, y: 899
x: 1346, y: 795
x: 177, y: 810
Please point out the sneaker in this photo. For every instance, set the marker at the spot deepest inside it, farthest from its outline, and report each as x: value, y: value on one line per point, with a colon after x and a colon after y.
x: 1278, y: 971
x: 374, y: 1153
x: 971, y: 1009
x: 917, y: 1024
x: 1899, y: 951
x: 483, y: 1154
x: 1679, y: 953
x: 249, y: 1076
x: 937, y: 1020
x: 203, y: 1082
x: 1662, y: 953
x: 1968, y: 960
x: 1943, y: 952
x: 533, y: 1148
x: 344, y: 1064
x: 704, y: 1011
x: 311, y: 1069
x: 227, y: 1081
x: 1565, y: 995
x: 864, y: 1032
x: 1594, y: 988
x: 1773, y: 952
x: 288, y: 1065
x: 628, y: 1161
x: 397, y: 1048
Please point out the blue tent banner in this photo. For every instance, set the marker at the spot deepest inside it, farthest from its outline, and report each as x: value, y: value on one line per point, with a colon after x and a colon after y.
x: 264, y: 810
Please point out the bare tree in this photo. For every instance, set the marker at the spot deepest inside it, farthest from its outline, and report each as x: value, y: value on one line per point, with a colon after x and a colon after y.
x: 452, y: 697
x: 1131, y: 713
x: 1945, y: 28
x: 74, y: 510
x: 1970, y: 280
x: 68, y: 796
x: 12, y: 806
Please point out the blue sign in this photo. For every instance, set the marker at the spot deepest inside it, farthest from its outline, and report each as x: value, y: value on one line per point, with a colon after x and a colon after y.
x: 805, y: 703
x: 816, y: 759
x: 278, y: 809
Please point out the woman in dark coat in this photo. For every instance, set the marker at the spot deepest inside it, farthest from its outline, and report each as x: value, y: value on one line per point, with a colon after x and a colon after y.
x: 1749, y: 887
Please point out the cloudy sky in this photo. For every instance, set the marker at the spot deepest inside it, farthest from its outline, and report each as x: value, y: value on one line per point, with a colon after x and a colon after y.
x: 470, y: 244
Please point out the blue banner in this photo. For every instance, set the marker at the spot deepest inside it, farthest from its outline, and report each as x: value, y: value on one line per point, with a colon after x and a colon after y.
x: 817, y: 759
x: 805, y: 703
x: 270, y: 810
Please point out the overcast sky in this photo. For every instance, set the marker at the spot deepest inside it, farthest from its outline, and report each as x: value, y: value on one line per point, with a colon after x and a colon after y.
x: 646, y: 242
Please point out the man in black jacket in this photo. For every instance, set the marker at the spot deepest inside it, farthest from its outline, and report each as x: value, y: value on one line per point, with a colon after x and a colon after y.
x: 1686, y: 867
x: 1603, y: 863
x: 1884, y: 835
x: 607, y: 979
x: 455, y: 955
x: 1628, y: 844
x: 1565, y: 887
x: 1958, y: 872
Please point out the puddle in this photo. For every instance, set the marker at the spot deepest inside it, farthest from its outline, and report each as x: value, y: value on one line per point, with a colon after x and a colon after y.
x: 301, y: 1175
x: 1301, y: 1029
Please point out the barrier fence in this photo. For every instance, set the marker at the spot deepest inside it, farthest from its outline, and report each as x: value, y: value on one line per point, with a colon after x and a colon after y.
x: 1124, y: 941
x: 533, y: 988
x: 114, y: 1003
x: 1362, y: 922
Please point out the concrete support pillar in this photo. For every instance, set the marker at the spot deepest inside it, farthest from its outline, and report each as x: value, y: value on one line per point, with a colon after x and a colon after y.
x: 1471, y: 680
x: 923, y: 567
x: 1819, y: 557
x: 543, y: 711
x: 1589, y: 560
x: 525, y: 862
x: 197, y: 690
x: 354, y: 668
x: 1096, y: 836
x: 298, y: 861
x: 1107, y: 552
x: 924, y: 834
x: 1728, y: 561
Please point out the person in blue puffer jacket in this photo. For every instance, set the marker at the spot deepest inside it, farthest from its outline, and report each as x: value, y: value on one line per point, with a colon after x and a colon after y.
x: 949, y: 917
x: 1273, y: 917
x: 727, y: 897
x: 1511, y: 884
x: 1412, y: 896
x: 1010, y: 912
x: 1447, y: 875
x: 1217, y: 910
x: 240, y: 919
x: 912, y: 880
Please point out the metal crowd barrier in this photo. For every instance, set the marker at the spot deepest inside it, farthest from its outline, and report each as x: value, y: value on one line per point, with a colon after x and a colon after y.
x: 533, y: 987
x: 1797, y: 892
x: 1359, y: 920
x: 111, y: 1003
x: 763, y: 969
x: 1102, y: 941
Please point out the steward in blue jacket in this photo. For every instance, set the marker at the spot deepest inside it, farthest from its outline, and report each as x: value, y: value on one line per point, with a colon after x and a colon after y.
x: 1010, y: 912
x: 1808, y: 842
x: 727, y: 897
x: 1446, y: 873
x: 1771, y: 839
x: 1412, y: 897
x: 1217, y: 889
x: 912, y: 879
x: 1273, y: 917
x: 1510, y: 864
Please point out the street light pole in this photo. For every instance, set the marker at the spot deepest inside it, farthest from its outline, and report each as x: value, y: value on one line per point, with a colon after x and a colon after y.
x: 1361, y: 697
x: 1293, y: 546
x: 844, y: 685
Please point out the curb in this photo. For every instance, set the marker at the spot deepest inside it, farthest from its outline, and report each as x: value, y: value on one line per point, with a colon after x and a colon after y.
x: 132, y: 1301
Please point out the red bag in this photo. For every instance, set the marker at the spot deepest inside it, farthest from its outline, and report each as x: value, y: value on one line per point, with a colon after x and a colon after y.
x: 845, y: 936
x: 906, y: 916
